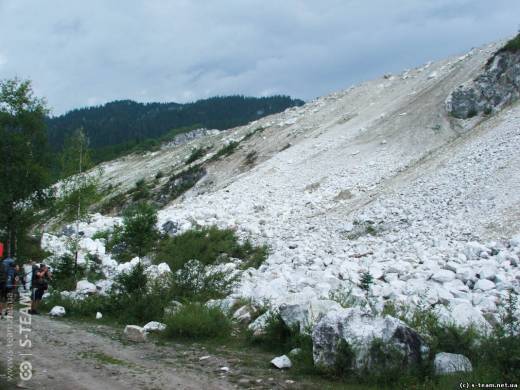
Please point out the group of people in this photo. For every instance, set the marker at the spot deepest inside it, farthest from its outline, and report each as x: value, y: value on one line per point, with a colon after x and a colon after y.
x: 13, y: 278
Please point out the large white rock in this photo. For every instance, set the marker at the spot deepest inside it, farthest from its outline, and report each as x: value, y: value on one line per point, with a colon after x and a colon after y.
x: 305, y: 315
x: 484, y: 285
x: 281, y: 362
x: 258, y: 326
x: 243, y: 314
x: 447, y: 363
x: 359, y: 329
x: 443, y: 276
x: 154, y: 326
x: 85, y: 287
x: 135, y: 333
x: 99, y: 316
x: 464, y: 314
x: 57, y: 311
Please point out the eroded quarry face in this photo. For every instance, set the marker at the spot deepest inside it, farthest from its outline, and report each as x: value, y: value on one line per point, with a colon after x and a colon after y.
x: 377, y: 178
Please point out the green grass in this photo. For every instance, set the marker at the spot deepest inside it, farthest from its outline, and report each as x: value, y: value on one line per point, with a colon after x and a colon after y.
x: 196, y: 321
x: 103, y: 358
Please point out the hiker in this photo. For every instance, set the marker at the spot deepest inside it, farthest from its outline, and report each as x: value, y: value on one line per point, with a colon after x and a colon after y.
x: 40, y: 283
x: 6, y: 275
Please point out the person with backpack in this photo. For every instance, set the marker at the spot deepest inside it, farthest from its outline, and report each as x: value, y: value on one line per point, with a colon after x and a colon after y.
x: 40, y: 283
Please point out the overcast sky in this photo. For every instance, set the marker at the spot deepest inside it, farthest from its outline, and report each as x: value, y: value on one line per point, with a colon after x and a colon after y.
x: 81, y: 53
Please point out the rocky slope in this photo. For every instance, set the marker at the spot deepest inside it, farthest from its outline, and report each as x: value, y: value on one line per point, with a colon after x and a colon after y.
x: 379, y: 178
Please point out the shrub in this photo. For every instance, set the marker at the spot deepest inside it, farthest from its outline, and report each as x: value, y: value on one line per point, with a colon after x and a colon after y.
x: 227, y: 150
x: 208, y: 245
x: 366, y: 281
x: 513, y: 45
x: 179, y: 183
x: 65, y: 274
x: 113, y: 203
x: 135, y: 281
x: 196, y: 321
x: 345, y: 359
x: 194, y: 282
x: 139, y: 231
x: 140, y: 191
x: 251, y: 157
x: 196, y: 153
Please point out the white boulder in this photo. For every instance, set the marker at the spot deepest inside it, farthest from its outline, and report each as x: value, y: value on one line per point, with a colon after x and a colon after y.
x: 443, y: 276
x: 447, y: 363
x: 135, y: 333
x: 484, y: 285
x: 85, y: 287
x: 57, y: 311
x: 99, y: 315
x: 154, y: 326
x: 464, y: 314
x: 258, y: 326
x: 305, y: 315
x: 281, y: 362
x: 359, y: 329
x: 243, y: 314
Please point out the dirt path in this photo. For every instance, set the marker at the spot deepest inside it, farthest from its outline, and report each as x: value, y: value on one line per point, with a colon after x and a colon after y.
x: 72, y: 355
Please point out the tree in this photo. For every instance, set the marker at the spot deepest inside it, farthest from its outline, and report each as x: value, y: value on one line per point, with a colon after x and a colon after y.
x: 79, y: 186
x: 139, y: 231
x: 24, y: 171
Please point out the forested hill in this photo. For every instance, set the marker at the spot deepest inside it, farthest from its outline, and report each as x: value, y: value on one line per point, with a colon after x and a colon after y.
x: 126, y: 122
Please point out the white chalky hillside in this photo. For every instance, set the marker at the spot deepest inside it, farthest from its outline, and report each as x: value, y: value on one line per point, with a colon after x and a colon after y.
x: 375, y: 178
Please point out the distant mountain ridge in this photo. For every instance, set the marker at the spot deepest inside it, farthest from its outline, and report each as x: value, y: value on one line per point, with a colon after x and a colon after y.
x: 127, y: 121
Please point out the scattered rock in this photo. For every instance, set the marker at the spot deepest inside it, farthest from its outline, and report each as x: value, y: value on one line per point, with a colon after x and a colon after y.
x: 85, y: 287
x: 135, y: 333
x: 243, y: 314
x: 57, y: 311
x: 281, y: 362
x: 154, y: 326
x: 258, y: 325
x: 305, y: 315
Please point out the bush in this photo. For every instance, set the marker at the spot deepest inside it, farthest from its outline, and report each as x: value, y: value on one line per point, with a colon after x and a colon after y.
x: 196, y: 153
x: 345, y: 359
x: 179, y: 183
x: 140, y: 191
x: 194, y: 282
x: 139, y: 231
x: 251, y: 157
x: 64, y: 275
x: 196, y: 321
x: 227, y: 150
x: 513, y: 45
x: 208, y: 245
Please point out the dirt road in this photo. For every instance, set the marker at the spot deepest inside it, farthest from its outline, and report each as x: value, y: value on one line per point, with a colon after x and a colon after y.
x: 74, y: 355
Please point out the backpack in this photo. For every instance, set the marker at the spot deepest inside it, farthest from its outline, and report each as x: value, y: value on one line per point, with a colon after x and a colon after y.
x: 35, y: 269
x: 3, y: 273
x: 10, y: 277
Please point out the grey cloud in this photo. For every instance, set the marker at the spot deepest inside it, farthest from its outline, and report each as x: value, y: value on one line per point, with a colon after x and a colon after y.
x: 81, y: 53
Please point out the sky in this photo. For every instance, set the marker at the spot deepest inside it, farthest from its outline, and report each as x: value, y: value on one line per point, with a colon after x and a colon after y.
x: 82, y: 53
